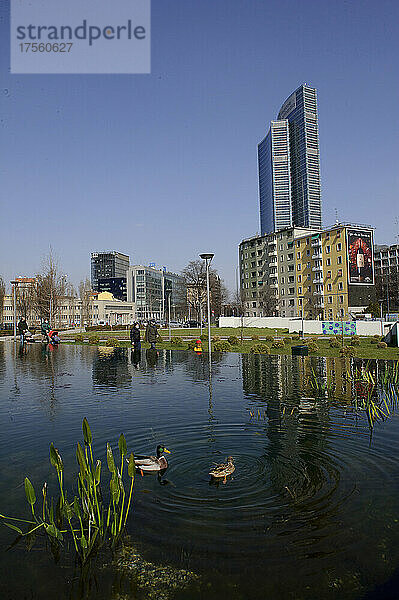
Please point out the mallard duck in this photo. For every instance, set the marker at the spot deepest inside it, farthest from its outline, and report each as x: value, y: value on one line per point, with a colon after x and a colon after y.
x: 223, y: 470
x: 152, y: 464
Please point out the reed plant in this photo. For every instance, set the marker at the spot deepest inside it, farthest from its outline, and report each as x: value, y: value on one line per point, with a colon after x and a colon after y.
x: 89, y: 518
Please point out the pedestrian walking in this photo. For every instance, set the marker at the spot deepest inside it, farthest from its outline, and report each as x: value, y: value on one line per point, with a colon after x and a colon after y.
x: 151, y: 333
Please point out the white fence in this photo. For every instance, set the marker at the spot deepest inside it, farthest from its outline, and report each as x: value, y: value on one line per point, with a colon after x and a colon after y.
x: 295, y: 325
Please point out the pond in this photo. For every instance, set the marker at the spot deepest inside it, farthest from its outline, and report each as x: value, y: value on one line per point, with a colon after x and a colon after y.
x: 311, y: 511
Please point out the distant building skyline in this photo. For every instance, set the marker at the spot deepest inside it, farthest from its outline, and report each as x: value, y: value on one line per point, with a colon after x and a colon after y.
x: 107, y: 264
x: 289, y: 166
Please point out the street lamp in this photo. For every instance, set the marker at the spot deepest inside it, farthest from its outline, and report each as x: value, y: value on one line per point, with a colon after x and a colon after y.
x: 15, y: 283
x: 207, y: 257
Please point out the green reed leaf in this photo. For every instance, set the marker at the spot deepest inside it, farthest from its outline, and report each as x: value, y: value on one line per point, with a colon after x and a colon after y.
x: 80, y: 457
x: 14, y: 527
x: 131, y: 469
x: 76, y: 508
x: 53, y: 456
x: 122, y: 445
x: 30, y: 492
x: 86, y: 432
x: 97, y: 473
x: 110, y: 459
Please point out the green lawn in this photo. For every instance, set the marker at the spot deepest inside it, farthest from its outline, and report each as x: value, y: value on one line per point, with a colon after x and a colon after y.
x: 365, y: 350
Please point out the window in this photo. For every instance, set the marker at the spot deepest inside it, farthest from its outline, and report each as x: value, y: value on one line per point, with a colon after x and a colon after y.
x: 252, y: 254
x: 253, y: 264
x: 341, y: 299
x: 339, y: 247
x: 328, y: 274
x: 282, y: 302
x: 340, y: 285
x: 292, y: 291
x: 300, y: 302
x: 307, y: 252
x: 299, y: 290
x: 330, y: 298
x: 299, y: 278
x: 290, y: 257
x: 328, y: 262
x: 329, y: 287
x: 308, y: 265
x: 328, y: 249
x: 308, y: 276
x: 298, y: 255
x: 253, y: 304
x: 291, y: 303
x: 339, y: 260
x: 298, y: 244
x: 291, y: 267
x: 309, y: 288
x: 282, y: 280
x: 299, y: 267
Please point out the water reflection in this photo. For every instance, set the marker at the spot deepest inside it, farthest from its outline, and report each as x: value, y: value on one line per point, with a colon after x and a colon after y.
x: 312, y: 502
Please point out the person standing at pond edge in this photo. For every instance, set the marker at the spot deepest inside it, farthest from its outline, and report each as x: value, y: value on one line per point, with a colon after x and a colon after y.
x: 135, y: 337
x: 45, y: 328
x: 22, y: 327
x: 151, y: 333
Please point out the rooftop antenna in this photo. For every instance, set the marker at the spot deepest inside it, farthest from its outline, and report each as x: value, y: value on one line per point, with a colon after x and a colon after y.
x: 336, y: 216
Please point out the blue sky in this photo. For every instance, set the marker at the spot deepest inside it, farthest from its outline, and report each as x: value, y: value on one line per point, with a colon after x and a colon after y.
x: 164, y: 166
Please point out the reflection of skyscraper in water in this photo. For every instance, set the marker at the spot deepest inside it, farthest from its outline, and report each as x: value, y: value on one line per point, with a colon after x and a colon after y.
x: 295, y: 426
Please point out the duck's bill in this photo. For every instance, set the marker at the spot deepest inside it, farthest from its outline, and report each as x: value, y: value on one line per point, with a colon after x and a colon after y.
x: 166, y: 450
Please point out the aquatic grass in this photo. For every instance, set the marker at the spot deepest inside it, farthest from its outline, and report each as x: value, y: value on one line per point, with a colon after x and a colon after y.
x: 91, y: 522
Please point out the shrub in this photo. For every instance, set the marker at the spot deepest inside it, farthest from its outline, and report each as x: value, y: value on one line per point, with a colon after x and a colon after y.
x: 216, y: 338
x: 278, y: 344
x: 354, y: 342
x: 98, y: 327
x: 312, y: 346
x: 233, y: 340
x: 374, y: 340
x: 260, y: 349
x: 94, y: 339
x: 79, y: 338
x: 269, y: 338
x: 376, y: 336
x: 191, y: 344
x: 113, y: 342
x: 334, y: 343
x: 176, y: 341
x: 355, y: 337
x: 255, y: 338
x: 222, y: 346
x: 347, y: 351
x: 204, y: 337
x: 296, y: 337
x: 382, y: 345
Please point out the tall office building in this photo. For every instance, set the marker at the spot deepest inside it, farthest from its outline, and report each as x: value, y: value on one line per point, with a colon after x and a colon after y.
x: 289, y: 166
x: 107, y: 264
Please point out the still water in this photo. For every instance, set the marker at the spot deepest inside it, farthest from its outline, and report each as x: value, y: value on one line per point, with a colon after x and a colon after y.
x: 312, y: 510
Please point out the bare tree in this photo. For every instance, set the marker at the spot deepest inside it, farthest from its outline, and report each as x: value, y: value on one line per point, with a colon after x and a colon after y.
x: 85, y: 298
x: 25, y: 299
x: 268, y: 301
x: 49, y: 288
x: 2, y: 294
x: 195, y: 277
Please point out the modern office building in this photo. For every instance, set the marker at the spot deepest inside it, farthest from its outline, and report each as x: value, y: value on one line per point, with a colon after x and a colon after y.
x: 151, y: 289
x: 387, y: 276
x: 289, y: 166
x: 275, y: 178
x: 107, y: 264
x: 114, y: 285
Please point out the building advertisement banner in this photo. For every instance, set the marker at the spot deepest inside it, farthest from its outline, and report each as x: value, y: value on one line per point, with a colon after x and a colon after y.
x: 360, y: 257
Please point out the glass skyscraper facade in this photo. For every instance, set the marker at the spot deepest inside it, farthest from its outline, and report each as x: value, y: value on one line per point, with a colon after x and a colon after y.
x: 289, y: 166
x: 274, y: 178
x: 107, y: 264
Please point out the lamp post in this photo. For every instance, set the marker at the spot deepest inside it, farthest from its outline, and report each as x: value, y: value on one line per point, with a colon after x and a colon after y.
x: 207, y: 257
x: 382, y: 326
x: 14, y: 284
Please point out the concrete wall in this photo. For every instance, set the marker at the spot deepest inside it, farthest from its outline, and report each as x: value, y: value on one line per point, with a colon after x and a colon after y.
x: 295, y: 325
x: 270, y: 322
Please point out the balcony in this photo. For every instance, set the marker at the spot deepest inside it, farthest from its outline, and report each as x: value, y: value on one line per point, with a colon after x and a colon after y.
x: 318, y: 280
x: 317, y: 269
x: 316, y: 242
x: 318, y: 293
x: 317, y: 256
x: 272, y: 252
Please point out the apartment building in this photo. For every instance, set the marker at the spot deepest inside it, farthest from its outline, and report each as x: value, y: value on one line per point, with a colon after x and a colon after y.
x: 326, y: 274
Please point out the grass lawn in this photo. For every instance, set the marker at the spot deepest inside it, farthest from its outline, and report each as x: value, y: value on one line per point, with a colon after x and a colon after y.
x: 366, y: 349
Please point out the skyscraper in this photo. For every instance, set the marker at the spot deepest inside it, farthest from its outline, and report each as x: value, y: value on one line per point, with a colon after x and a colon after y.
x: 106, y: 265
x: 289, y: 166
